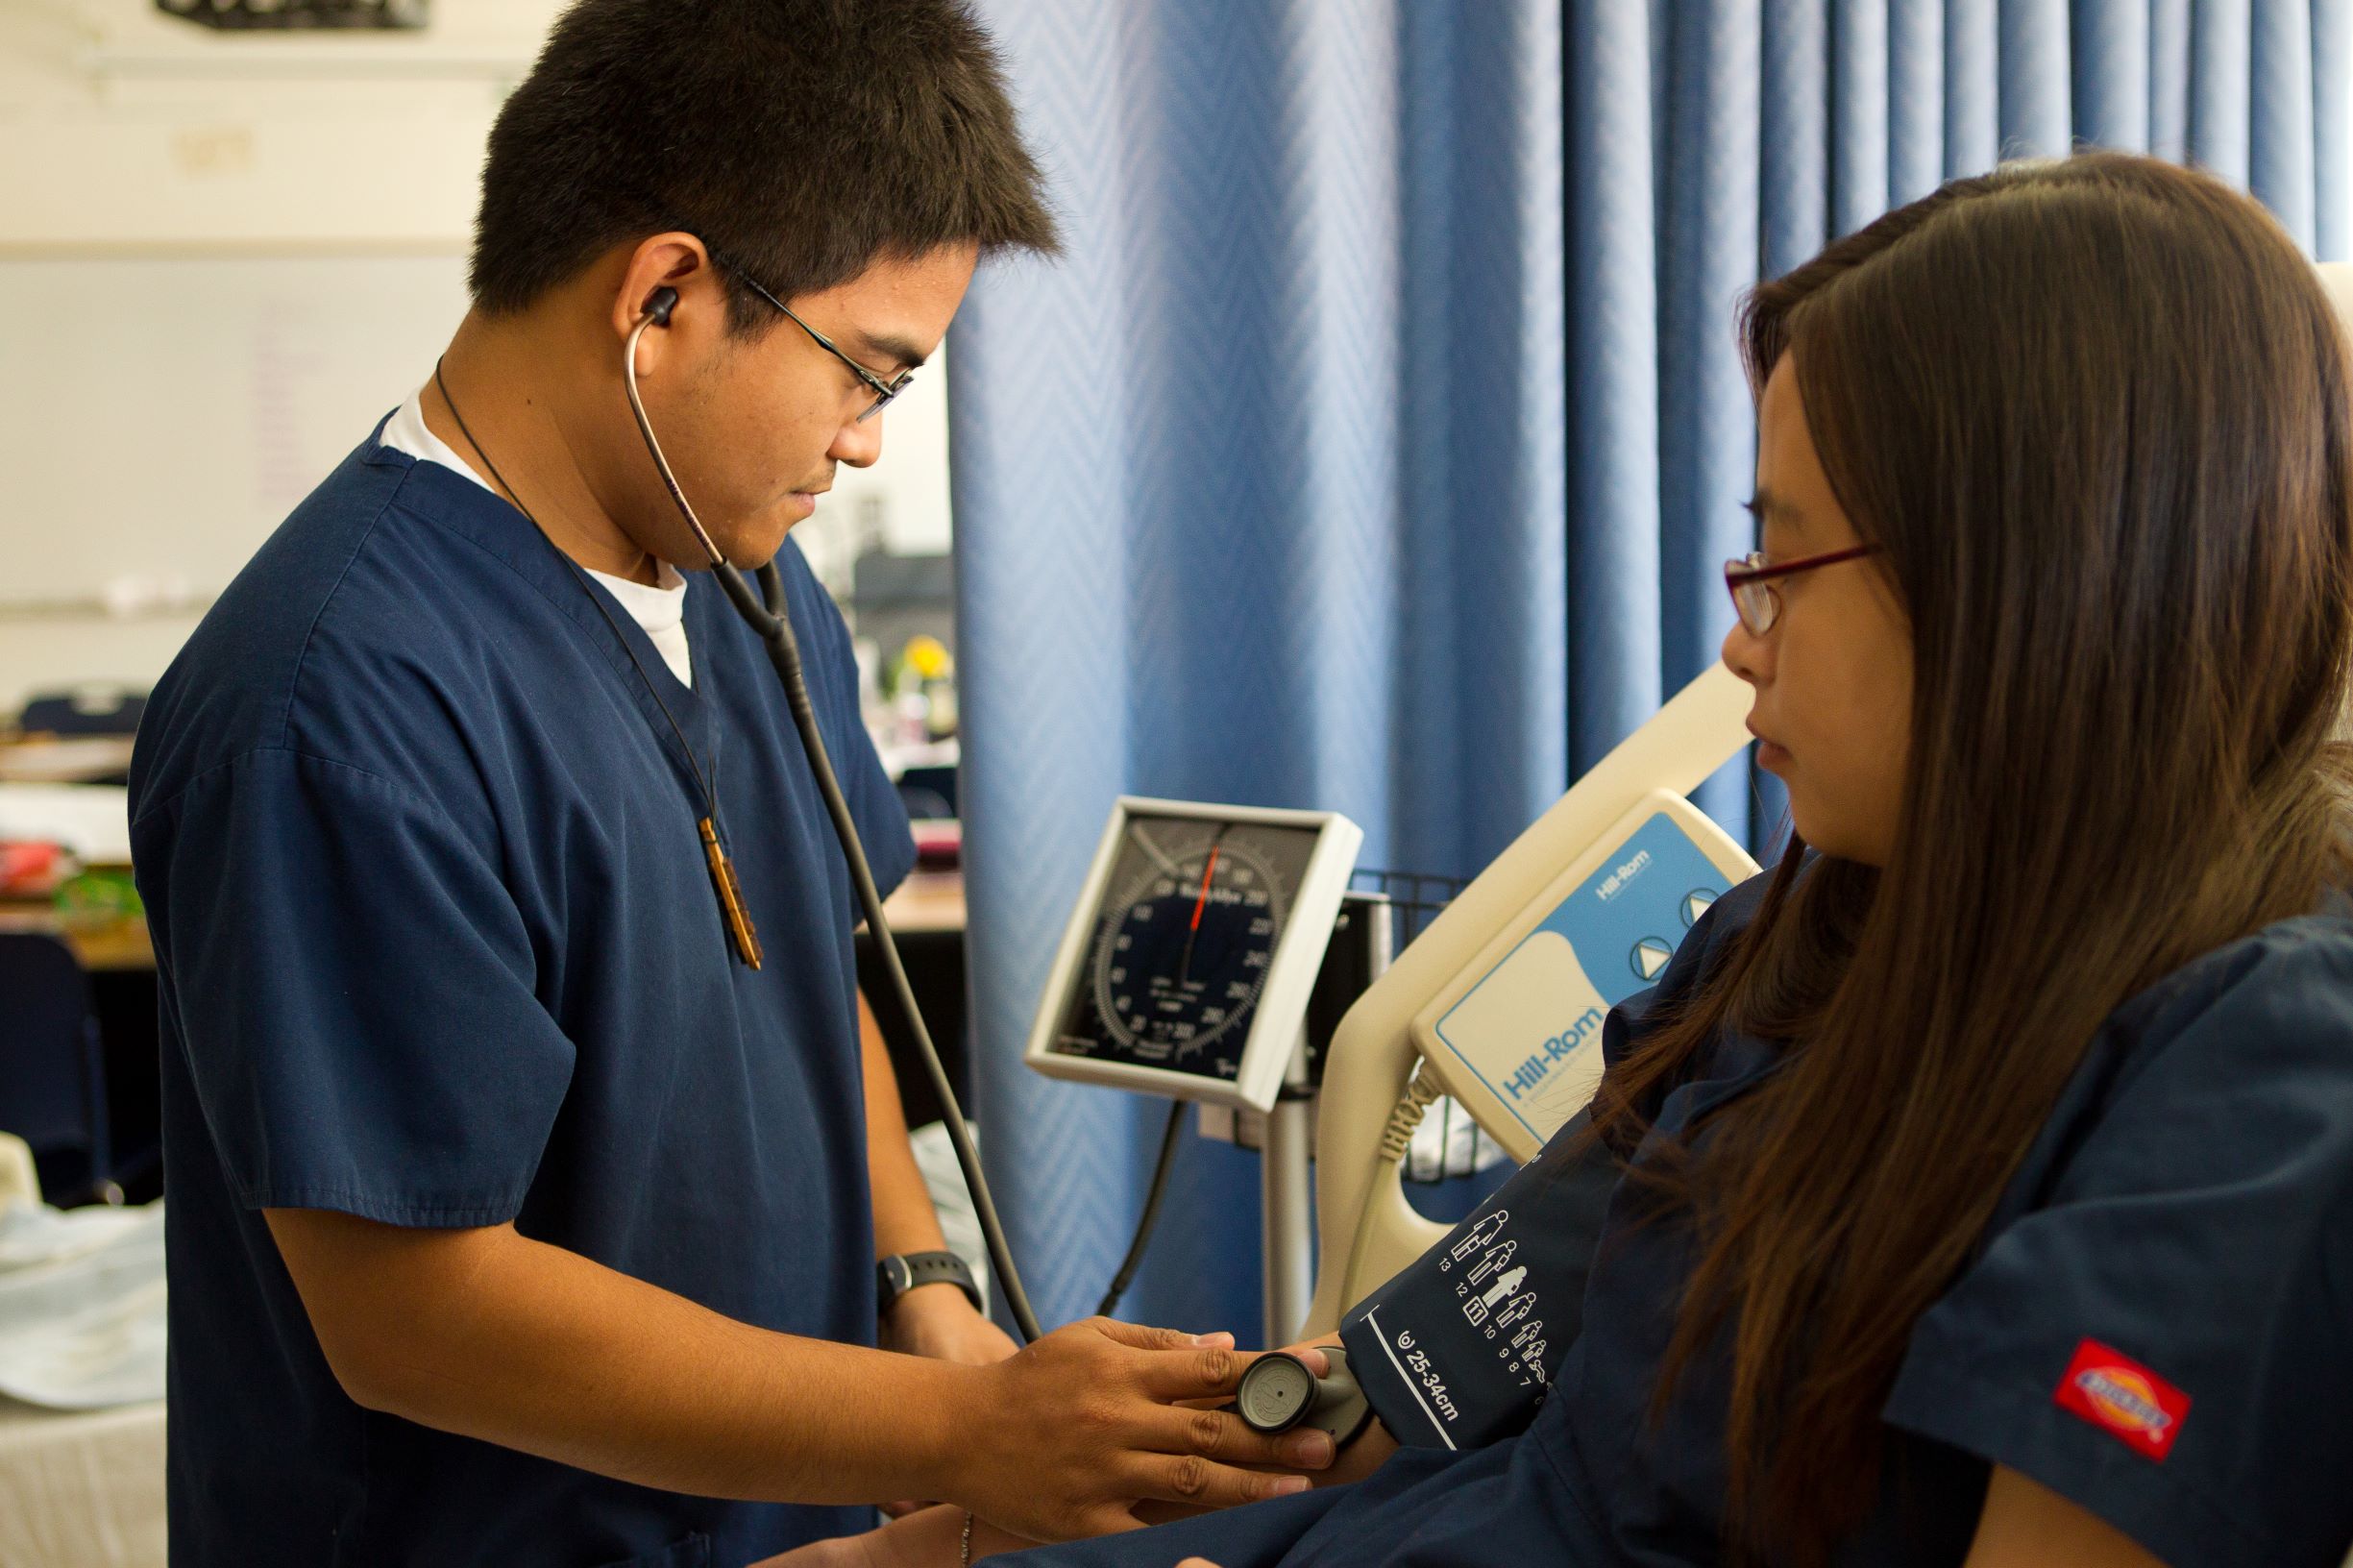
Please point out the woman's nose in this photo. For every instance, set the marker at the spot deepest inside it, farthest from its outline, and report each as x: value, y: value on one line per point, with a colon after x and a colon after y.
x: 1748, y: 655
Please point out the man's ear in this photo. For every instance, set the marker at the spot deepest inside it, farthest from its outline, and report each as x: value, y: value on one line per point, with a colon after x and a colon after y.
x: 670, y: 275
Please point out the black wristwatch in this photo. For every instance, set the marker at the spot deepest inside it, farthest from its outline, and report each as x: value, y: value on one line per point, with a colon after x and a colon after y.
x: 896, y: 1276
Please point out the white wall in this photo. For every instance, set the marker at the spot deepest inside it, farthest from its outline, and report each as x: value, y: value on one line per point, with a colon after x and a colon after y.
x: 242, y: 251
x: 169, y: 411
x: 119, y: 127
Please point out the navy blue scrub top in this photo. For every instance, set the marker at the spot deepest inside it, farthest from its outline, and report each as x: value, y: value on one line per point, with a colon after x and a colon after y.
x: 436, y: 946
x: 2155, y: 1325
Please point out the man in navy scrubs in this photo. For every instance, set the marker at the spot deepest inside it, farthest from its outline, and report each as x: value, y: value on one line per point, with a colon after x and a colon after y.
x: 516, y: 1217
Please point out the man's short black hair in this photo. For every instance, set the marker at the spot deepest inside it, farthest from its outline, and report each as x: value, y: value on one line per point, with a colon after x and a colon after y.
x: 802, y: 141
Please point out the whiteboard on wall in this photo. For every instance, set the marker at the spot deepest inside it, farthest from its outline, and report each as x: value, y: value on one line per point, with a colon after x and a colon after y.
x: 164, y: 413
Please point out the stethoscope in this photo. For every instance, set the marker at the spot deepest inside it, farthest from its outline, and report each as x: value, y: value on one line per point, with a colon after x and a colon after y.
x: 765, y: 614
x: 1279, y: 1391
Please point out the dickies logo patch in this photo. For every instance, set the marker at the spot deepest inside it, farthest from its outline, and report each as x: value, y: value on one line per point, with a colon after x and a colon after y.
x: 2123, y: 1398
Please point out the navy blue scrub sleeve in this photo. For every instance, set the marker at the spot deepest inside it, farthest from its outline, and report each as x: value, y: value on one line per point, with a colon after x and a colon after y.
x: 2161, y: 1336
x: 355, y: 987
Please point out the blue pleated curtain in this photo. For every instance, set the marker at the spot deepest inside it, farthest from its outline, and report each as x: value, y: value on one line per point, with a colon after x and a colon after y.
x: 1376, y: 445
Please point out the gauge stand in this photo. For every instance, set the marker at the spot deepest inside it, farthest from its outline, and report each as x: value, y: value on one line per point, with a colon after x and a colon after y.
x: 1287, y: 1204
x: 1362, y: 939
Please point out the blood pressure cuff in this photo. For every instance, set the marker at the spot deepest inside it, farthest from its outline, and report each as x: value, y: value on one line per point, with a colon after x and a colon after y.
x: 1460, y: 1349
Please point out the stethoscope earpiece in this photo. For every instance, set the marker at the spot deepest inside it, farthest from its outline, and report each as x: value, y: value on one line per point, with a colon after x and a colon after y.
x: 660, y: 303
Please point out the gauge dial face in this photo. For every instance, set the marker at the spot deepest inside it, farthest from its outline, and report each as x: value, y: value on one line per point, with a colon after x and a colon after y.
x: 1182, y: 942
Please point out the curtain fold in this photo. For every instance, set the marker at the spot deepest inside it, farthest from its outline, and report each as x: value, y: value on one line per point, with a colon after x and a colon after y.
x: 1378, y: 442
x: 1708, y: 248
x: 1259, y: 494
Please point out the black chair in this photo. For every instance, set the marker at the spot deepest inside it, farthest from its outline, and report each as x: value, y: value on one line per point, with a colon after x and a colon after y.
x: 52, y: 1071
x: 91, y: 711
x: 928, y: 792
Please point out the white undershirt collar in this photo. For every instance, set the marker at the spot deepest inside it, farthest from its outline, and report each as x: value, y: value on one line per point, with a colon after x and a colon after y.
x: 660, y: 608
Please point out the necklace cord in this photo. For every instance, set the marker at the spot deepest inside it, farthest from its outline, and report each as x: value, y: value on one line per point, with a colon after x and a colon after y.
x: 766, y: 615
x: 708, y: 784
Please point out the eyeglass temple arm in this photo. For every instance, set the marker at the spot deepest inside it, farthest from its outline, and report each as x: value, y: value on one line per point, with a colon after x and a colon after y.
x: 1742, y: 576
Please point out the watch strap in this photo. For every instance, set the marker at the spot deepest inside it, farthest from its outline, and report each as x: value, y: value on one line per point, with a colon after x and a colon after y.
x: 902, y: 1272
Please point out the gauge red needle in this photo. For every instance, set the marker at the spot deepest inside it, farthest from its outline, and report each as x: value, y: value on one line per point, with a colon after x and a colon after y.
x: 1185, y: 970
x: 1207, y: 871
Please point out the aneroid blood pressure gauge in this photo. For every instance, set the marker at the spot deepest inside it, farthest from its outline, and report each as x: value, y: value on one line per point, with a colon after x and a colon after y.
x: 1185, y: 967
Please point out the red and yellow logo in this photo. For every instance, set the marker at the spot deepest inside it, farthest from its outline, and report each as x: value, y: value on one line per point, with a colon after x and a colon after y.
x: 2123, y: 1398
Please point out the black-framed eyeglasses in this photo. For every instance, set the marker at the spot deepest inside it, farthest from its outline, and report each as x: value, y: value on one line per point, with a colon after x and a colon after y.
x: 1750, y: 580
x: 884, y: 391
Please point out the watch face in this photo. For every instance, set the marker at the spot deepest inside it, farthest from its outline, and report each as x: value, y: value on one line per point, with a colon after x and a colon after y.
x: 1182, y: 942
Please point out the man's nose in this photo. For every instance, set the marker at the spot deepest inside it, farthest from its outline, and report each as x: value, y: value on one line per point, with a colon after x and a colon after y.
x: 858, y: 443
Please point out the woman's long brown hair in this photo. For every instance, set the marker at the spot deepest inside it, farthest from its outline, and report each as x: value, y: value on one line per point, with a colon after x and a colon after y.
x: 2096, y: 414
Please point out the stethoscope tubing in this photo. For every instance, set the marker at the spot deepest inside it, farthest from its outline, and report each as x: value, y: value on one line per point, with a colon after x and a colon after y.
x: 767, y: 615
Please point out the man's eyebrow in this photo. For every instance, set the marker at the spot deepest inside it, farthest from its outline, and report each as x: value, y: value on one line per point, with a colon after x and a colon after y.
x: 895, y: 350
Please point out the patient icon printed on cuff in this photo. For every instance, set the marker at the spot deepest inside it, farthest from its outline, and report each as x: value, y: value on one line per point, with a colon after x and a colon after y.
x: 1494, y: 1259
x: 1477, y: 1307
x: 1462, y: 1244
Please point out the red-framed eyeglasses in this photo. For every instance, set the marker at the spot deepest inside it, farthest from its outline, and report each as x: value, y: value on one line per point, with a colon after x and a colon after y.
x: 1750, y: 581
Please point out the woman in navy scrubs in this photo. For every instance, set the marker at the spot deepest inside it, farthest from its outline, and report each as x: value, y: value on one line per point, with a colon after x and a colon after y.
x: 1988, y: 1192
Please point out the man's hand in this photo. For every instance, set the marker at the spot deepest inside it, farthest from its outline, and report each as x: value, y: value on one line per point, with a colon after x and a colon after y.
x: 940, y: 1321
x: 1082, y: 1425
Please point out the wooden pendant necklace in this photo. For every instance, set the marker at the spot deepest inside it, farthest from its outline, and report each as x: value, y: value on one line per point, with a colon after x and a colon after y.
x: 742, y: 934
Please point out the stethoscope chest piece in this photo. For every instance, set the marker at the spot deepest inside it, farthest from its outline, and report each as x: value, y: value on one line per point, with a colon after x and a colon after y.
x: 1278, y: 1393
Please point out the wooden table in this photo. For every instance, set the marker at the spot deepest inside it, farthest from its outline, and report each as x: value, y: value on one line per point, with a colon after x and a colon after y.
x: 79, y: 759
x: 113, y: 948
x: 926, y: 902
